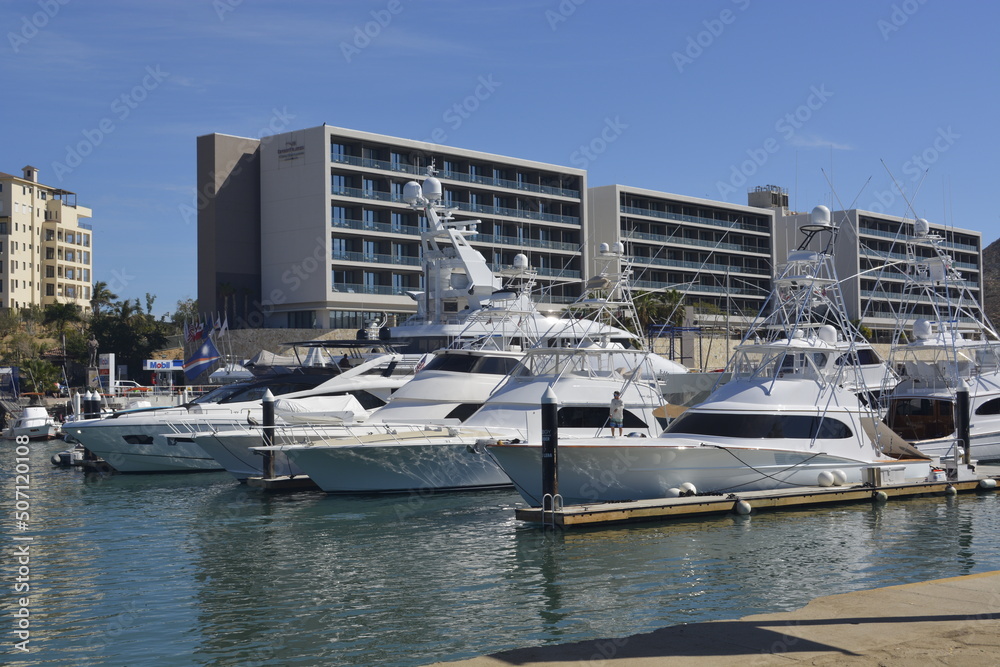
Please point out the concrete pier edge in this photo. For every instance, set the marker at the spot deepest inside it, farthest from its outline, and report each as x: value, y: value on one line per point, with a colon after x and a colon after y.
x: 953, y: 621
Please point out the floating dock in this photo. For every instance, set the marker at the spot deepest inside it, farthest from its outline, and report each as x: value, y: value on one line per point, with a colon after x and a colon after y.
x: 750, y: 501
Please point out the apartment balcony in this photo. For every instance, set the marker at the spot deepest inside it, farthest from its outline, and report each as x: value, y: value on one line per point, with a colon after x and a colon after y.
x: 715, y: 245
x: 410, y: 230
x: 677, y: 217
x: 488, y: 181
x: 379, y: 195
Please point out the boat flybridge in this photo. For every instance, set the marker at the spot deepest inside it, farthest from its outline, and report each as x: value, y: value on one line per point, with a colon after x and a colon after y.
x: 790, y: 416
x: 944, y: 346
x: 446, y: 456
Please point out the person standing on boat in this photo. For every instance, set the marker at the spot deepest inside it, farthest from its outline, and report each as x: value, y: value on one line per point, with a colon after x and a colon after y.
x: 617, y: 414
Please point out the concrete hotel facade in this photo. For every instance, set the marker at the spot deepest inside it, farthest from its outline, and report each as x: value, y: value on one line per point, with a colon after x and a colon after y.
x: 313, y: 223
x: 719, y: 255
x: 45, y: 248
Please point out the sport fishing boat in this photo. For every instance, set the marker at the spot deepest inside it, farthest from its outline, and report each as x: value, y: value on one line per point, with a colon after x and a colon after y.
x: 445, y: 456
x: 952, y: 347
x: 790, y: 416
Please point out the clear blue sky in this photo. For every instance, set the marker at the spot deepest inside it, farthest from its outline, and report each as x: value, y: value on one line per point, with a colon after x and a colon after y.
x: 697, y: 98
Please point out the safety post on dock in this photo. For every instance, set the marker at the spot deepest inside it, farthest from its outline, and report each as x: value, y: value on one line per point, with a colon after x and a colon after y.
x: 550, y: 451
x: 963, y: 421
x: 267, y: 432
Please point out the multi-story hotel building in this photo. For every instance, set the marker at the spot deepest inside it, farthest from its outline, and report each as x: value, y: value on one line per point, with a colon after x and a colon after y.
x: 312, y: 222
x: 309, y: 229
x: 719, y: 255
x: 45, y: 248
x: 870, y: 259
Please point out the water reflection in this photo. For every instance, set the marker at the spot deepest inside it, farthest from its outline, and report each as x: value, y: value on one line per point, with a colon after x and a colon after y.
x: 195, y: 568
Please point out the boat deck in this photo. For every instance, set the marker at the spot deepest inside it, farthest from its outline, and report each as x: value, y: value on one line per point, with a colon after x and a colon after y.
x: 750, y: 501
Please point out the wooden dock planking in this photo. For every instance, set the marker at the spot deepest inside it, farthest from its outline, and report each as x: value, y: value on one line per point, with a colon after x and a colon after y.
x: 691, y: 506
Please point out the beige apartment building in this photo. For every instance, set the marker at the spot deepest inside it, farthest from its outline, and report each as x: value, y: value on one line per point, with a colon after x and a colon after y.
x: 45, y: 247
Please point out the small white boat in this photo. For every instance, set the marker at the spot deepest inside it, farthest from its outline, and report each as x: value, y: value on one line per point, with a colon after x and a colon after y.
x: 33, y: 422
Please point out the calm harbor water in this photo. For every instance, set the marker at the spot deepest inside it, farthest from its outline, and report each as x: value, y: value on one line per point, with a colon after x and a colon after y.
x: 197, y: 570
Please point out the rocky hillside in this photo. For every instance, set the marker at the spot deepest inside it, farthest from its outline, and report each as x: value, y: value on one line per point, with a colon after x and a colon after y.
x: 991, y: 281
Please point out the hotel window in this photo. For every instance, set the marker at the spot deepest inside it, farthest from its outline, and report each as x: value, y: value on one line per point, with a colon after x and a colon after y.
x: 337, y: 152
x: 86, y: 278
x: 70, y: 256
x: 86, y: 292
x: 3, y: 227
x: 50, y: 272
x: 86, y: 257
x: 338, y: 214
x: 69, y: 237
x: 86, y: 240
x: 369, y: 218
x: 70, y: 274
x: 1, y: 286
x: 397, y: 221
x: 339, y: 182
x: 70, y: 291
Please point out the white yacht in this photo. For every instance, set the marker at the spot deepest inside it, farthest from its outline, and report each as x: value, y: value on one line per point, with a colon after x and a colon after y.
x: 791, y: 415
x: 161, y: 439
x: 951, y: 346
x: 447, y: 456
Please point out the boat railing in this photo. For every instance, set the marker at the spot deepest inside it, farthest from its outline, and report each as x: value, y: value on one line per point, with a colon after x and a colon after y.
x: 325, y: 435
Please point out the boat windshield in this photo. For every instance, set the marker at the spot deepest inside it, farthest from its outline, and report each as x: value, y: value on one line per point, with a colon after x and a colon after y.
x: 254, y: 391
x: 469, y: 363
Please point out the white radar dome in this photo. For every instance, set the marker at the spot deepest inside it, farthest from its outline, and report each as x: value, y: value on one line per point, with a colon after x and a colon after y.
x: 412, y: 193
x: 520, y: 261
x: 432, y: 189
x: 921, y: 227
x: 828, y: 334
x: 820, y: 216
x: 922, y: 329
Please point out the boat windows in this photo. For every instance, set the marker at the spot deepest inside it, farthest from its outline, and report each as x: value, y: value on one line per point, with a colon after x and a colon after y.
x: 917, y: 419
x: 990, y: 407
x: 467, y: 363
x: 588, y: 416
x: 805, y: 427
x: 368, y: 400
x: 254, y: 391
x: 456, y: 363
x: 463, y: 411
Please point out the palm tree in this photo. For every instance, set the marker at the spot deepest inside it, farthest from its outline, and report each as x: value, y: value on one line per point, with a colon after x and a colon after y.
x: 101, y: 296
x: 659, y: 307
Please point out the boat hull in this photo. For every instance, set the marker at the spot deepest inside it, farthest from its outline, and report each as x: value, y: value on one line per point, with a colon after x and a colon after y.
x: 597, y: 472
x: 147, y: 447
x: 444, y: 465
x: 233, y: 451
